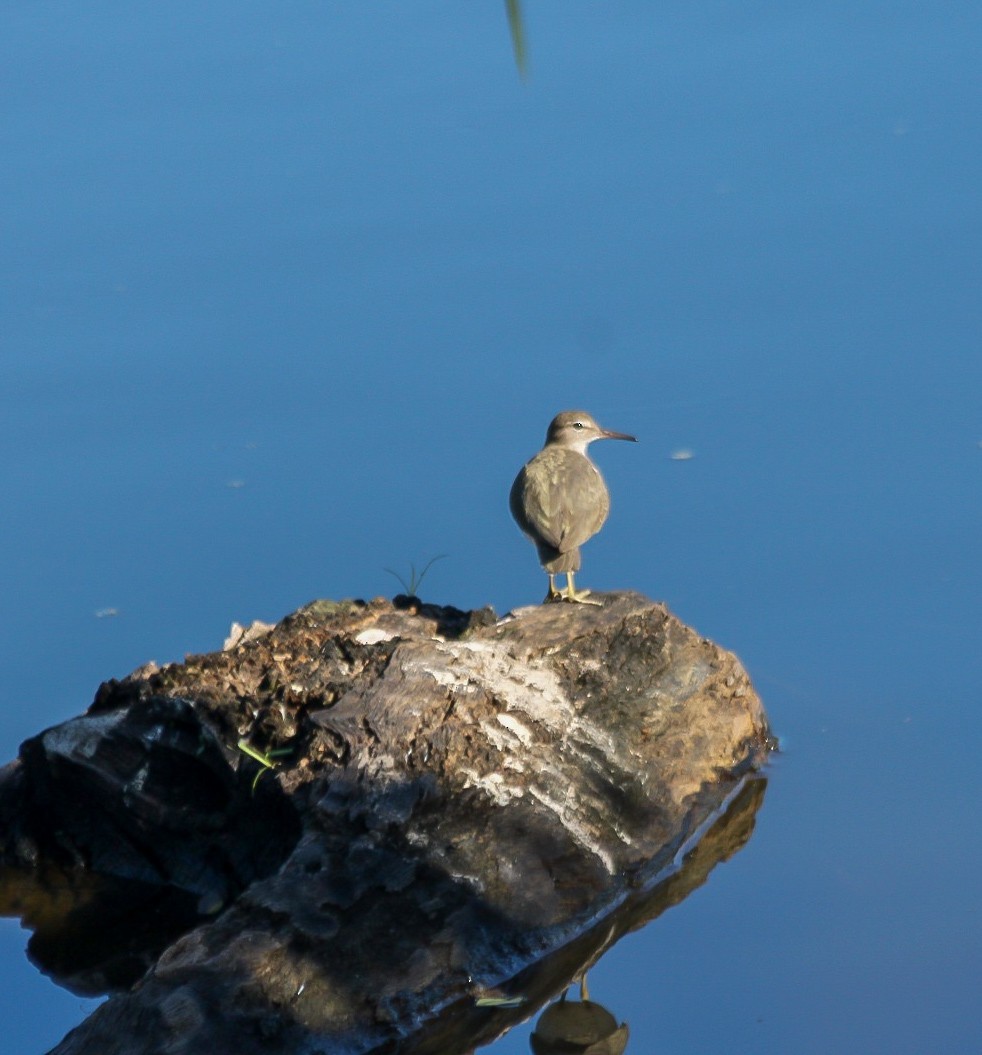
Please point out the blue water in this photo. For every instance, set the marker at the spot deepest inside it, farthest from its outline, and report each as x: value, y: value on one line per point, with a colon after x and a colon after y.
x: 291, y: 291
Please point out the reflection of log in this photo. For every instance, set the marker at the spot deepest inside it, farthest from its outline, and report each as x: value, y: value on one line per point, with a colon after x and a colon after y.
x: 461, y: 800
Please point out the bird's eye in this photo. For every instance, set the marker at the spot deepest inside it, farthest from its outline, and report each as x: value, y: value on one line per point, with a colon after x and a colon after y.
x: 577, y: 424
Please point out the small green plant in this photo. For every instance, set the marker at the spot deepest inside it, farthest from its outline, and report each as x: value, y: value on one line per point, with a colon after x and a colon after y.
x: 415, y: 579
x: 499, y: 1001
x: 267, y: 761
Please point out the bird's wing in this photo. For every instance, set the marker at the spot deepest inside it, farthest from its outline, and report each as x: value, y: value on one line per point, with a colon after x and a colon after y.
x: 545, y: 512
x: 544, y: 506
x: 530, y: 506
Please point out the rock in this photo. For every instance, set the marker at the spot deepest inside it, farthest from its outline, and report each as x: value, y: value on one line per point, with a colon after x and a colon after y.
x: 444, y: 802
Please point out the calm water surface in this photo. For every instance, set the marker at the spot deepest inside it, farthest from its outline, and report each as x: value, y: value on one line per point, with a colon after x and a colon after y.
x: 290, y: 292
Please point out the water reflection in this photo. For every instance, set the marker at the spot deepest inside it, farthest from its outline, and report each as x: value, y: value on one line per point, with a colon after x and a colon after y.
x: 94, y: 934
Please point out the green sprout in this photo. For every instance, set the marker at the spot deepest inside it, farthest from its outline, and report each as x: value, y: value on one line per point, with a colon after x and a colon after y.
x: 267, y: 761
x: 499, y: 1001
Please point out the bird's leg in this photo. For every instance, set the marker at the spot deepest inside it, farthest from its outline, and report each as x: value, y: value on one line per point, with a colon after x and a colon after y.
x: 553, y: 594
x: 579, y: 596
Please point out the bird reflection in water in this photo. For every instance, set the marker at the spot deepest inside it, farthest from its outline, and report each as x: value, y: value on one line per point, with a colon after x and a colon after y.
x: 578, y: 1027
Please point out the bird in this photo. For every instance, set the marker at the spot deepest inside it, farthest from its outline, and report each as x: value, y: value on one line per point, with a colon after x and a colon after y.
x: 559, y: 499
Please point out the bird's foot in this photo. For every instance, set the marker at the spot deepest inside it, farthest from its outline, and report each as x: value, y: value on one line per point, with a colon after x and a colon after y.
x: 575, y: 596
x: 580, y: 597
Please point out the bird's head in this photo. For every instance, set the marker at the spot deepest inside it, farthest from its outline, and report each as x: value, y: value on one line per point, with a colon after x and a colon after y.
x: 576, y: 430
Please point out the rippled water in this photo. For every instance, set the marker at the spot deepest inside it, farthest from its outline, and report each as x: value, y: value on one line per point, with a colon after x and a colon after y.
x: 291, y: 292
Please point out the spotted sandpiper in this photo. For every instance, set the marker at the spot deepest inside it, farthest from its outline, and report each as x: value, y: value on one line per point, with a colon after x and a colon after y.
x: 560, y: 500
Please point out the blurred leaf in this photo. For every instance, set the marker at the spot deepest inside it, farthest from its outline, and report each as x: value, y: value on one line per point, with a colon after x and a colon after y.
x: 517, y: 27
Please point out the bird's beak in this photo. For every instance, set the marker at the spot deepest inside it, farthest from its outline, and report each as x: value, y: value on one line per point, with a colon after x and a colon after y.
x: 607, y: 434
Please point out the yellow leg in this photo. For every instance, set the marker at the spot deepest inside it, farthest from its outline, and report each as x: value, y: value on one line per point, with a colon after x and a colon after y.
x: 553, y: 594
x: 579, y: 596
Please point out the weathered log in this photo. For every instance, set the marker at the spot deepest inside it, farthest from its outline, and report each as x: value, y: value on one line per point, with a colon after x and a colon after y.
x: 461, y: 800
